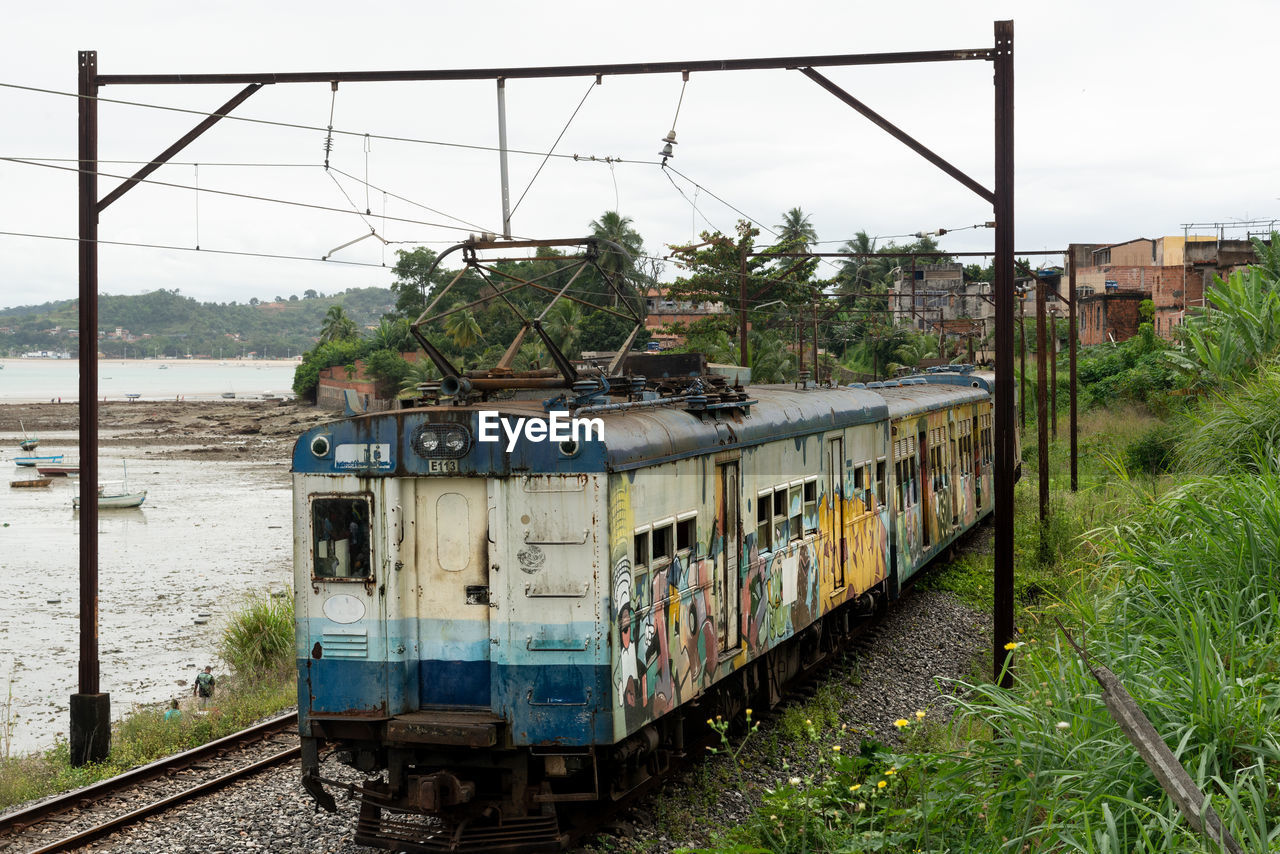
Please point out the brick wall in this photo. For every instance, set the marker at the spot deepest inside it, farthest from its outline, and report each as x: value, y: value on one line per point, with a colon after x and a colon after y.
x: 1103, y: 317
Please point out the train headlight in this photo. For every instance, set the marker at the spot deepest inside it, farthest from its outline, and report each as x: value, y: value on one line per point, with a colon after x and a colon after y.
x: 456, y: 441
x: 441, y: 441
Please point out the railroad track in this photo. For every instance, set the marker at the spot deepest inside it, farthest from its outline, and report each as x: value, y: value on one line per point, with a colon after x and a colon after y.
x: 69, y: 820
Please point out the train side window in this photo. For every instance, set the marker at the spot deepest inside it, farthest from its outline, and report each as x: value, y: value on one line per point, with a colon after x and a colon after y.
x: 810, y: 506
x: 860, y: 484
x: 796, y: 524
x: 764, y: 521
x: 880, y: 472
x: 642, y: 548
x: 687, y: 534
x: 780, y: 517
x: 663, y: 543
x: 340, y: 538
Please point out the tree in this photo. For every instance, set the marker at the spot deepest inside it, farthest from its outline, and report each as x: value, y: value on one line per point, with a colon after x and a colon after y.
x: 621, y: 269
x: 564, y: 326
x: 462, y: 327
x: 796, y: 230
x: 337, y: 325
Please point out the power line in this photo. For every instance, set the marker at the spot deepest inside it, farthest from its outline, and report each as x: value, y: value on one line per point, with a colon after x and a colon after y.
x: 296, y: 126
x: 190, y: 249
x: 230, y: 193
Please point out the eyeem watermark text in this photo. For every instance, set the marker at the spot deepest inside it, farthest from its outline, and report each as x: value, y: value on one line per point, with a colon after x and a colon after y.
x: 559, y: 427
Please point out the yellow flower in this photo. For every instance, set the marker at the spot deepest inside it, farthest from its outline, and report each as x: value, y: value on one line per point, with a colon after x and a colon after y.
x: 901, y: 722
x: 1013, y: 645
x: 919, y: 715
x: 855, y: 787
x: 710, y: 722
x: 881, y: 784
x: 836, y: 748
x: 748, y: 713
x: 891, y: 772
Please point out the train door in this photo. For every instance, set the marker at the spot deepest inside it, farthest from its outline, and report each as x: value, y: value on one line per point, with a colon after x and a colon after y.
x: 727, y: 572
x: 926, y: 492
x: 835, y: 489
x: 346, y: 621
x: 975, y: 449
x: 452, y: 562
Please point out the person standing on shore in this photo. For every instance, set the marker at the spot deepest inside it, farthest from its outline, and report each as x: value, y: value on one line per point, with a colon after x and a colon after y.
x: 203, y: 689
x: 173, y: 712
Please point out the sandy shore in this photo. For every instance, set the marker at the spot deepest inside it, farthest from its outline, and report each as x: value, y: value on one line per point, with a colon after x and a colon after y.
x: 243, y: 429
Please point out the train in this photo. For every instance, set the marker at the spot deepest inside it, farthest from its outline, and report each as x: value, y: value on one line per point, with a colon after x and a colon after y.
x: 501, y: 632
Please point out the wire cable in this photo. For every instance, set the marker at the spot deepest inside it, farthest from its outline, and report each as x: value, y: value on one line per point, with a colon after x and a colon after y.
x: 296, y: 126
x: 553, y: 146
x: 232, y: 194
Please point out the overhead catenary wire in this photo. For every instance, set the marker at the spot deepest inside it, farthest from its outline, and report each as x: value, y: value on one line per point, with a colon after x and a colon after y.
x: 563, y: 130
x: 336, y: 131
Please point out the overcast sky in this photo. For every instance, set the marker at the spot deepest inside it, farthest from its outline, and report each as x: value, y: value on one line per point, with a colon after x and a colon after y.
x: 1132, y: 119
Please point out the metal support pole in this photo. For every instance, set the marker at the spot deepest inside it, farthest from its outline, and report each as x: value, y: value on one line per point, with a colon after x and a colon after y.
x: 1071, y: 346
x: 1053, y: 371
x: 1022, y: 361
x: 502, y: 157
x: 744, y: 355
x: 1042, y: 398
x: 817, y: 371
x: 90, y: 709
x: 1002, y: 604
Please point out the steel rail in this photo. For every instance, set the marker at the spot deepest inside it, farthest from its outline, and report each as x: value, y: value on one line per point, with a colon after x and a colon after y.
x: 18, y: 821
x: 114, y: 824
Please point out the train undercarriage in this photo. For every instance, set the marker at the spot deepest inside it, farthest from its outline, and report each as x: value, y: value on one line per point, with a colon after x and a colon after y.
x: 445, y: 783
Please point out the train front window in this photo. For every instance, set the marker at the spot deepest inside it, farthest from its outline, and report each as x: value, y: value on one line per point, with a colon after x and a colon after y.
x: 340, y: 541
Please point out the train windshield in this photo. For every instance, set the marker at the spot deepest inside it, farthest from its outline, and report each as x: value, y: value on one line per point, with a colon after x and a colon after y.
x: 340, y: 538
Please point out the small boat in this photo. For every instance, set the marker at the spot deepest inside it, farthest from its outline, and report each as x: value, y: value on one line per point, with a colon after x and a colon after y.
x: 29, y: 442
x: 32, y: 462
x: 229, y: 395
x: 31, y: 481
x: 59, y: 469
x: 115, y: 494
x: 132, y: 396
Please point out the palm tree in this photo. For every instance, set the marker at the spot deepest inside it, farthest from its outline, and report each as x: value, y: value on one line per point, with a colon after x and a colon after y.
x: 420, y: 371
x: 796, y: 230
x: 392, y: 335
x: 463, y: 328
x: 616, y: 228
x: 337, y: 326
x: 564, y: 325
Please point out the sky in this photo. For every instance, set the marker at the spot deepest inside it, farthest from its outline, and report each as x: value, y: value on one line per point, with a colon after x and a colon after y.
x: 1132, y: 119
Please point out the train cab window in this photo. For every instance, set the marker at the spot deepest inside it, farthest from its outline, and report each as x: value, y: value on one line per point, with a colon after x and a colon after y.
x: 810, y: 506
x: 764, y: 521
x: 340, y: 541
x: 687, y: 534
x: 663, y: 543
x: 642, y: 548
x: 880, y: 472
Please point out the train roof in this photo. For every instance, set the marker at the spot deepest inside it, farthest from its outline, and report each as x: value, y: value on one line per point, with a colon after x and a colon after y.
x: 635, y: 434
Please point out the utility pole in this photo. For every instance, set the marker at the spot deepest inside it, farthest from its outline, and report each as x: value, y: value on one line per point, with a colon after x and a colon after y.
x: 744, y: 357
x: 1042, y: 403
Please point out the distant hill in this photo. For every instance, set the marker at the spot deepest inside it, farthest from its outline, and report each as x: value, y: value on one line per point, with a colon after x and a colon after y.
x: 165, y: 323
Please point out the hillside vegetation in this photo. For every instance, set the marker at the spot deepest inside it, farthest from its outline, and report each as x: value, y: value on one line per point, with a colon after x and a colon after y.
x: 165, y: 323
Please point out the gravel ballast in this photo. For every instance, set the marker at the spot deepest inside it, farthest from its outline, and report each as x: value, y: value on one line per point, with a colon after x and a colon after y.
x: 924, y: 638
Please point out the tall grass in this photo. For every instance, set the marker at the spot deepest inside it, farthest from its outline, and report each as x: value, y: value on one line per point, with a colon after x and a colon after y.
x: 258, y: 641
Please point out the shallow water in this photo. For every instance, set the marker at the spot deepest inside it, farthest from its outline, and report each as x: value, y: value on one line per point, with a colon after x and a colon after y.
x: 37, y: 380
x: 208, y: 534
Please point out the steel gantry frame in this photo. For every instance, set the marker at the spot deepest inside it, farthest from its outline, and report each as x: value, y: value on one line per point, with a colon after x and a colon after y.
x: 90, y: 708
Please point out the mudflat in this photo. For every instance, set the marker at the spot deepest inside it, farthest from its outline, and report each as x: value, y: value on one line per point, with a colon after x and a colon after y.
x: 241, y: 429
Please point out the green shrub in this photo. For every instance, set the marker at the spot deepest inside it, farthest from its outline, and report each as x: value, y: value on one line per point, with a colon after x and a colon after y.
x: 1152, y: 452
x: 258, y: 642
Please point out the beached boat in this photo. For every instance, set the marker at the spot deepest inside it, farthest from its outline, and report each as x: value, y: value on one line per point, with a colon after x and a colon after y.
x: 29, y: 443
x: 115, y: 494
x: 228, y: 395
x: 32, y: 462
x: 59, y: 469
x: 31, y: 481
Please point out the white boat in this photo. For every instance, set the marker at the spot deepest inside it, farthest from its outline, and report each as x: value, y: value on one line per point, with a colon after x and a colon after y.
x: 115, y: 494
